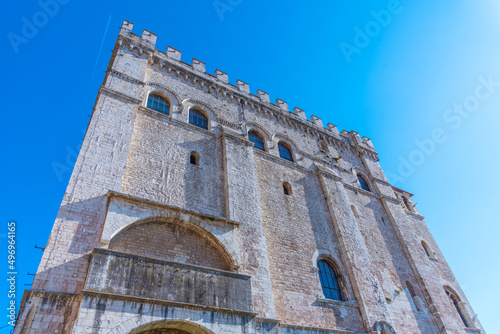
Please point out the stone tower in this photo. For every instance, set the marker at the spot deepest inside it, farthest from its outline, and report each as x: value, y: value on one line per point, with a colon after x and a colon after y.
x: 195, y: 206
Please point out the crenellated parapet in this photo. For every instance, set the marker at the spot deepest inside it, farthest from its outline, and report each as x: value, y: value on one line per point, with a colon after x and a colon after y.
x: 219, y: 85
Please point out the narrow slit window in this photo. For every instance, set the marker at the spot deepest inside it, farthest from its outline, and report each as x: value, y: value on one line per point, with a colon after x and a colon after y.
x: 194, y: 159
x: 427, y: 249
x: 287, y: 188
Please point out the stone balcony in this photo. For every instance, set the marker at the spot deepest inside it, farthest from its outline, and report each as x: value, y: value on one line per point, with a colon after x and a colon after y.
x: 142, y: 277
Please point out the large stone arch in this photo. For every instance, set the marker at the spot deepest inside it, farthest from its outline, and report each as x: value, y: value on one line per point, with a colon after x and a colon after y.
x: 179, y: 326
x: 124, y: 212
x: 383, y: 327
x: 143, y: 324
x: 172, y: 239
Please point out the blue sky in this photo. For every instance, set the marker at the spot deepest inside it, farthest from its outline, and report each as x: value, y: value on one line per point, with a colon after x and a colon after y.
x: 402, y: 85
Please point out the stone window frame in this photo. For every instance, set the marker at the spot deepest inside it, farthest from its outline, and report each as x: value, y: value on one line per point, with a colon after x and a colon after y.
x: 204, y: 113
x: 358, y: 173
x: 428, y: 250
x: 289, y: 147
x: 459, y: 307
x: 261, y: 136
x: 341, y: 277
x: 163, y: 95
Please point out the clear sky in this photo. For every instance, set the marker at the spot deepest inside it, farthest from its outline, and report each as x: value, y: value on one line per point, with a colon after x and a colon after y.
x: 423, y: 83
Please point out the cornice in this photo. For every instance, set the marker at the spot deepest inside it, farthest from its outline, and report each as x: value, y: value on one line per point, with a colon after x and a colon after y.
x: 136, y: 299
x: 362, y: 191
x: 319, y: 329
x: 114, y: 92
x: 125, y: 77
x: 114, y: 194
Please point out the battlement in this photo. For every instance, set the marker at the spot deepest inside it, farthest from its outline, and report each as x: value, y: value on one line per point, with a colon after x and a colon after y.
x: 147, y: 42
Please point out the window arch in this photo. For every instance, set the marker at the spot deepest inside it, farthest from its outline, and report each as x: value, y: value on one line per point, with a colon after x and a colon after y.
x: 287, y: 188
x: 458, y: 306
x: 427, y: 249
x: 194, y: 158
x: 363, y: 184
x: 197, y: 118
x: 329, y: 281
x: 158, y: 103
x: 257, y: 140
x: 285, y: 151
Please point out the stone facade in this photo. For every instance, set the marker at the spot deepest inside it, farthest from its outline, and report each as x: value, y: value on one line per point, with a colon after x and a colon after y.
x: 148, y: 240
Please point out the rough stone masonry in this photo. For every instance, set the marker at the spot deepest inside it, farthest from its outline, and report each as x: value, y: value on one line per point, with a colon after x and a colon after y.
x: 197, y: 207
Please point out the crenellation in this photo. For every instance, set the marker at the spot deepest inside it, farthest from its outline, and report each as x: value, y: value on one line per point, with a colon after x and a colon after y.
x: 263, y: 96
x: 243, y: 86
x: 173, y: 53
x: 198, y: 65
x: 221, y: 76
x: 368, y: 142
x: 317, y: 121
x: 282, y: 104
x: 149, y: 37
x: 126, y: 27
x: 300, y: 113
x: 333, y: 129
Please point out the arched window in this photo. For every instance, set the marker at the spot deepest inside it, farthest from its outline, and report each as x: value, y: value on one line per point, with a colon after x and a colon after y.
x: 362, y: 182
x: 158, y: 103
x: 257, y: 140
x: 285, y: 152
x: 457, y: 304
x: 194, y: 159
x: 287, y: 188
x: 198, y: 118
x: 414, y: 297
x: 329, y: 281
x: 407, y: 204
x: 427, y: 249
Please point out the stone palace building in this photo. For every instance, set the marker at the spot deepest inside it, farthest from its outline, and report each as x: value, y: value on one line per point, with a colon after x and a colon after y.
x: 196, y: 206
